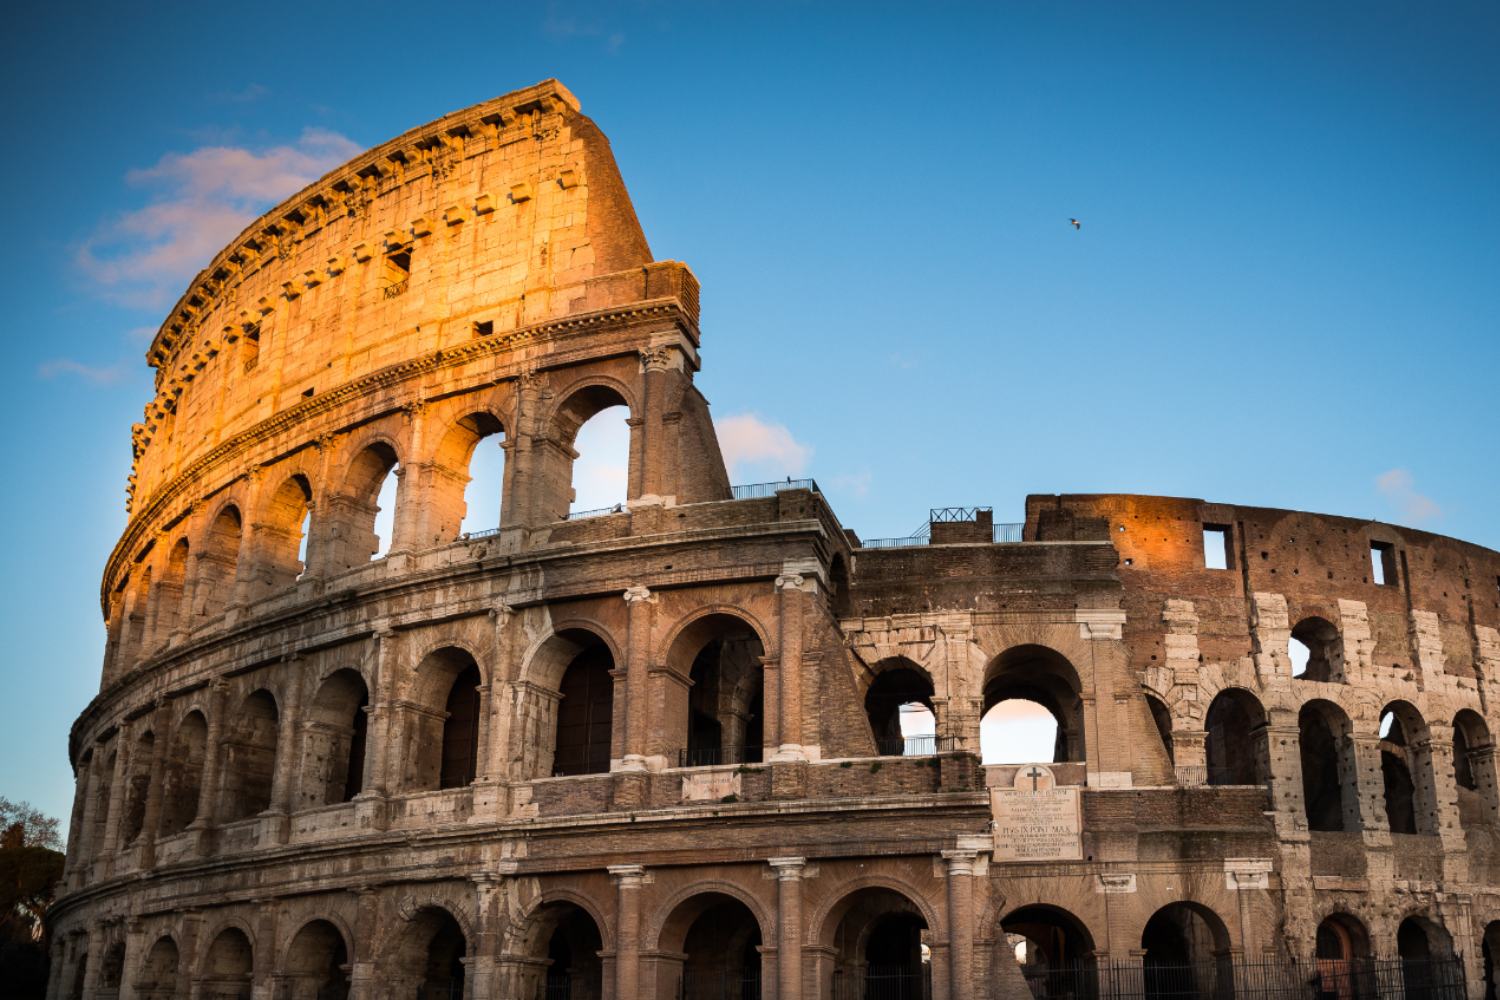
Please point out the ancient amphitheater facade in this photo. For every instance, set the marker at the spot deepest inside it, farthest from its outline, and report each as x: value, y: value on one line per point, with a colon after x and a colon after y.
x: 656, y: 751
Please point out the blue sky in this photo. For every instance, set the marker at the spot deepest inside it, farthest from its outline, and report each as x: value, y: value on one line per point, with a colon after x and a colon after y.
x: 1284, y: 291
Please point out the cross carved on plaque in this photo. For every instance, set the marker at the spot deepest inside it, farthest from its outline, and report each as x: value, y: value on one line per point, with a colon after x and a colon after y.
x: 1034, y: 774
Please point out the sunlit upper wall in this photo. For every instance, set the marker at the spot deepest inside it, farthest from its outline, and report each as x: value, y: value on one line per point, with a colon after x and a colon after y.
x: 486, y: 220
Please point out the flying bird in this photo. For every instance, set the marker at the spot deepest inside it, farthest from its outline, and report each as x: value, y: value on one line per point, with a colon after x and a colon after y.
x: 1076, y: 223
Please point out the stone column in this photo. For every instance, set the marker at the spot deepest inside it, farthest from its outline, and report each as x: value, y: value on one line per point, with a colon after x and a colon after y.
x: 628, y: 882
x: 135, y: 953
x: 639, y: 601
x: 1284, y: 763
x: 213, y: 753
x: 83, y: 791
x: 657, y: 466
x: 116, y: 793
x: 151, y: 817
x: 94, y: 959
x: 376, y: 781
x: 961, y: 864
x: 288, y: 744
x: 795, y: 590
x: 789, y: 872
x: 363, y: 984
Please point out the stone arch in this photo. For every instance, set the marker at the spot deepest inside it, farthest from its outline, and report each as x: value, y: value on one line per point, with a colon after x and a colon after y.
x: 107, y: 758
x: 347, y: 527
x: 560, y: 895
x: 228, y: 964
x: 764, y: 918
x: 1489, y: 952
x: 578, y: 403
x: 1340, y: 947
x: 670, y: 645
x: 1053, y: 949
x: 548, y: 682
x: 333, y: 748
x: 877, y: 937
x: 249, y: 756
x: 1329, y: 767
x: 167, y: 607
x: 218, y: 555
x: 1406, y: 770
x: 182, y: 775
x: 137, y: 787
x: 1474, y: 773
x: 112, y: 966
x: 1161, y: 719
x: 278, y: 535
x: 443, y: 721
x: 1316, y: 643
x: 823, y: 918
x: 315, y: 965
x: 1236, y: 747
x: 709, y: 939
x: 564, y: 932
x: 159, y: 971
x: 1186, y: 948
x: 718, y: 717
x: 1043, y: 676
x: 427, y: 954
x: 446, y: 498
x: 898, y: 689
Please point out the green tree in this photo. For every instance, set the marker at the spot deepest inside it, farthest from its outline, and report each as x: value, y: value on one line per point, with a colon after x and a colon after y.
x: 30, y: 867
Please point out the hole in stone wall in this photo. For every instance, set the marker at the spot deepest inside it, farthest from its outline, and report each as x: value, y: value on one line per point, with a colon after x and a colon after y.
x: 1216, y: 546
x: 1383, y: 563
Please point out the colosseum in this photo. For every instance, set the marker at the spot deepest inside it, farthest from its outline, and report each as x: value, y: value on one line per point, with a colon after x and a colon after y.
x: 671, y: 749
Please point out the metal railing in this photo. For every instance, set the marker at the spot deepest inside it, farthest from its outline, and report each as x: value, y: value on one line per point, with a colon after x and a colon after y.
x: 754, y: 491
x: 469, y: 536
x: 1006, y: 533
x: 917, y: 746
x: 1223, y: 979
x: 1009, y: 532
x: 578, y: 515
x: 715, y: 756
x: 698, y: 984
x: 885, y: 983
x: 955, y: 515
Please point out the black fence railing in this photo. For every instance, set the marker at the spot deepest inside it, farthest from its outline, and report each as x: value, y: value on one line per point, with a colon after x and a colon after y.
x: 712, y: 756
x: 469, y: 536
x: 578, y: 515
x: 754, y: 491
x: 917, y: 746
x: 1006, y: 533
x: 885, y: 983
x: 559, y: 986
x: 955, y: 515
x: 698, y: 984
x: 1359, y: 979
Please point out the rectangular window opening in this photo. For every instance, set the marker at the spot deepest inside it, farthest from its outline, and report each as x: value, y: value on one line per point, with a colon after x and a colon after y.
x: 397, y: 272
x: 484, y: 329
x: 1383, y: 564
x: 1216, y: 546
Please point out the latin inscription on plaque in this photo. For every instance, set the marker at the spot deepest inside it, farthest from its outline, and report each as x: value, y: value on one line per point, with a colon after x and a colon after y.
x: 1035, y: 820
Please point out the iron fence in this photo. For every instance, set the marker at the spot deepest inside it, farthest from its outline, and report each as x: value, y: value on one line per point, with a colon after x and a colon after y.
x: 469, y: 536
x: 1010, y: 532
x: 578, y: 515
x: 1007, y: 533
x: 955, y: 515
x: 1358, y: 979
x: 885, y: 983
x: 917, y: 746
x: 559, y: 986
x: 755, y: 491
x: 712, y: 756
x: 699, y: 984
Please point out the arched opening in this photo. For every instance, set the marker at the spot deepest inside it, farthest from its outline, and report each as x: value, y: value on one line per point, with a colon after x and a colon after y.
x: 182, y: 775
x: 585, y: 708
x: 1186, y: 949
x: 1031, y: 693
x: 720, y: 716
x: 1490, y: 953
x: 168, y: 604
x: 250, y: 757
x: 719, y: 940
x: 465, y: 495
x: 281, y: 534
x: 137, y: 787
x: 587, y: 467
x: 1428, y: 968
x: 1328, y: 768
x: 1406, y: 769
x: 158, y: 978
x: 137, y: 607
x: 1235, y: 746
x: 899, y: 707
x: 1343, y: 955
x: 1161, y: 718
x: 1054, y: 951
x: 1316, y: 652
x: 317, y: 963
x: 112, y: 967
x: 218, y: 558
x: 228, y: 966
x: 880, y: 946
x: 80, y: 974
x: 104, y: 792
x: 360, y: 521
x: 444, y: 722
x: 429, y: 959
x: 333, y: 759
x: 569, y: 941
x: 1474, y: 770
x: 838, y: 588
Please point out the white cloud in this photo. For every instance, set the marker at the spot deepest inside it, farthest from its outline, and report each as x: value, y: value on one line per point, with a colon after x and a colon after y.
x: 200, y: 200
x: 760, y: 447
x: 1398, y: 487
x: 97, y: 374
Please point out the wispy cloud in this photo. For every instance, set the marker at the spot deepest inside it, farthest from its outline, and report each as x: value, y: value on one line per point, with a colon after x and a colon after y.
x: 199, y: 201
x: 751, y: 444
x: 856, y: 484
x: 248, y: 94
x: 95, y: 374
x: 570, y: 25
x: 1398, y: 487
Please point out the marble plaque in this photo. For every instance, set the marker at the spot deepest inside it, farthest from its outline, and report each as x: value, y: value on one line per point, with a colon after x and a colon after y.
x: 1035, y: 820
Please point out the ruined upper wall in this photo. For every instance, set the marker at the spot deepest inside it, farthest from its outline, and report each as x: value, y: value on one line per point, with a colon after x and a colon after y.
x: 504, y: 215
x: 1314, y: 560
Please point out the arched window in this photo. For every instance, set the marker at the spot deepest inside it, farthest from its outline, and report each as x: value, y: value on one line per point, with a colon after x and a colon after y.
x: 1186, y: 949
x: 138, y: 787
x: 1406, y: 767
x: 879, y: 945
x: 722, y: 721
x: 249, y: 762
x: 1428, y: 969
x: 585, y: 711
x: 102, y: 796
x: 586, y: 468
x: 1328, y: 767
x: 167, y: 609
x: 317, y: 963
x: 461, y: 731
x: 334, y: 753
x: 1053, y: 950
x: 431, y: 953
x: 228, y: 965
x: 112, y: 968
x: 1033, y: 709
x: 465, y: 495
x: 444, y: 722
x: 1474, y: 770
x: 1316, y: 651
x: 1235, y: 747
x: 1343, y: 948
x: 361, y: 520
x: 568, y: 940
x: 719, y: 940
x: 280, y: 536
x: 158, y: 978
x: 899, y: 707
x: 218, y: 558
x: 182, y: 777
x: 1161, y: 718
